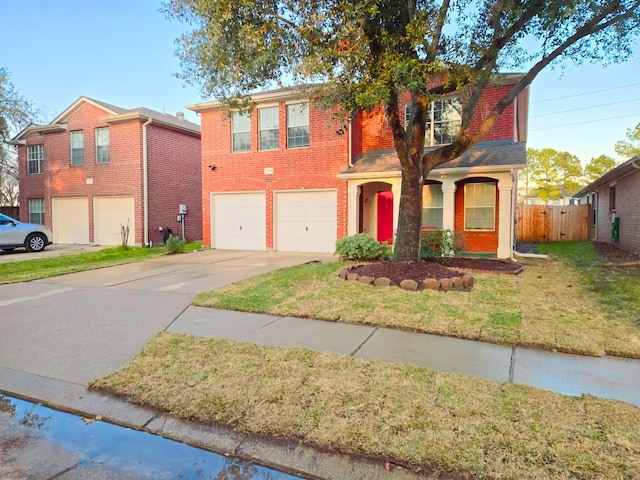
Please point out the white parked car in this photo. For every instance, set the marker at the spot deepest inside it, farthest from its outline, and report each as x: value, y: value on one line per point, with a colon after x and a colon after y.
x: 15, y: 234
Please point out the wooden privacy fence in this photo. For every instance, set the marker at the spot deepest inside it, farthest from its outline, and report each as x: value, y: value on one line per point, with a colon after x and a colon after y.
x: 557, y: 223
x: 11, y: 211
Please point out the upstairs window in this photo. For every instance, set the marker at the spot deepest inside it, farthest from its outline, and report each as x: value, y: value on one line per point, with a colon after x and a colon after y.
x: 268, y: 127
x: 35, y: 157
x: 102, y: 145
x: 479, y: 206
x: 297, y: 125
x: 36, y: 210
x: 444, y: 117
x: 77, y: 148
x: 432, y: 201
x: 241, y: 132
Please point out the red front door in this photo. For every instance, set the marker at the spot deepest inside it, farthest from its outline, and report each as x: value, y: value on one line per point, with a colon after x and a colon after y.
x: 385, y: 216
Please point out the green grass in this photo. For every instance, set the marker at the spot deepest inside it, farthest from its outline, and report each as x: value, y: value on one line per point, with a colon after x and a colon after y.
x: 50, y: 267
x: 446, y: 423
x: 550, y: 305
x: 616, y: 290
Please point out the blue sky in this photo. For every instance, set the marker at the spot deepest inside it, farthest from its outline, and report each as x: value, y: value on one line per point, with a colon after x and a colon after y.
x: 122, y: 52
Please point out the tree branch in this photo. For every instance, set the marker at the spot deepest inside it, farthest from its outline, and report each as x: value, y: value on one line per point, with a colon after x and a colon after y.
x: 437, y: 36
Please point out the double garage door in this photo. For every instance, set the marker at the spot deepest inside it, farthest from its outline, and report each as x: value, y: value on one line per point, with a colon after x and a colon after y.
x: 71, y: 220
x: 302, y: 221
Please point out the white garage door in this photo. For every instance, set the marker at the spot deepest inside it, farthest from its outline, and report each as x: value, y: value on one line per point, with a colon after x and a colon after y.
x: 238, y: 221
x: 70, y: 218
x: 306, y: 221
x: 109, y: 215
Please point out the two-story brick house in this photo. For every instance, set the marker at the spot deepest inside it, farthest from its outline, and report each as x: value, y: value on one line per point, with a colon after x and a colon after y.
x: 287, y: 177
x: 97, y: 167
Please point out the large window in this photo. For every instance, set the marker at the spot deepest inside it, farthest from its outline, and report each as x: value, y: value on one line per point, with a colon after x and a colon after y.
x: 77, y: 148
x: 36, y: 210
x: 102, y: 145
x: 444, y: 117
x: 35, y: 157
x: 297, y: 125
x: 268, y: 127
x: 241, y: 132
x: 479, y: 206
x: 432, y: 206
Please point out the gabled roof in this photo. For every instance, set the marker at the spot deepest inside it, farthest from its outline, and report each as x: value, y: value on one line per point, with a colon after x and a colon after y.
x: 113, y: 114
x: 489, y: 155
x: 631, y: 165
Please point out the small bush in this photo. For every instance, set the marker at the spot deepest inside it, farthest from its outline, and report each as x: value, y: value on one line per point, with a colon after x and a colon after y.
x: 362, y: 246
x: 441, y: 243
x: 174, y: 245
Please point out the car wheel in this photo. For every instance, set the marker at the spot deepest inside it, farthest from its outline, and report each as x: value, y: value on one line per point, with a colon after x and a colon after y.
x: 35, y: 242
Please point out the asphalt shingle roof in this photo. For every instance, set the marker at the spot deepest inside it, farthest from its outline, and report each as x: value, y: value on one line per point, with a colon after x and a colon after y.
x: 482, y: 154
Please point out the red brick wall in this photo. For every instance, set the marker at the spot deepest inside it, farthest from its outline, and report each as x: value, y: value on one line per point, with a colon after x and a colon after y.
x: 175, y: 177
x: 477, y: 241
x: 627, y: 208
x: 376, y: 134
x: 31, y: 186
x: 312, y: 167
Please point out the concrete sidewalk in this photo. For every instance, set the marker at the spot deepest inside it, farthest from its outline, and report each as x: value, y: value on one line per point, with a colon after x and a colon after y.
x: 606, y: 377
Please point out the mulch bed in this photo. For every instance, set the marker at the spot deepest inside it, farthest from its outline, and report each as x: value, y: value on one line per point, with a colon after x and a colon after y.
x: 434, y: 268
x: 617, y: 258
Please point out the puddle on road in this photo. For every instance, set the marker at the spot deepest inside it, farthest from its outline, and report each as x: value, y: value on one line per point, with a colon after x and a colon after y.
x: 152, y: 456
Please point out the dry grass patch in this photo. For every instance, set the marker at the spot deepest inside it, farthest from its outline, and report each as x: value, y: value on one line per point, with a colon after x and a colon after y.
x: 408, y: 414
x: 545, y: 306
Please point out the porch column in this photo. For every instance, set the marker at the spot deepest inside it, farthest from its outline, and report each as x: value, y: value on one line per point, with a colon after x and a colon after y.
x: 353, y: 194
x: 448, y: 204
x: 505, y: 220
x: 396, y: 189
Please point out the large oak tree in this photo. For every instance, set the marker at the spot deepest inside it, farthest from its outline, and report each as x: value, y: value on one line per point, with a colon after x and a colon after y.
x: 367, y: 53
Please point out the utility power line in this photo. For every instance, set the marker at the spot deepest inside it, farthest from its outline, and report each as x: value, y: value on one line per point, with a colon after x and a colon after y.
x: 585, y: 108
x: 588, y: 121
x: 586, y: 93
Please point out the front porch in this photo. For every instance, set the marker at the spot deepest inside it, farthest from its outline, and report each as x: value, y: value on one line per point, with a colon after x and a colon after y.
x: 476, y: 204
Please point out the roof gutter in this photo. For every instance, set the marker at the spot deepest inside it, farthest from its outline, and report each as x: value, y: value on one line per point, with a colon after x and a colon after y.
x: 145, y: 181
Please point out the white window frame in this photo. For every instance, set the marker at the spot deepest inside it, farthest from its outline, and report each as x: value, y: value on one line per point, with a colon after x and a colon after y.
x: 36, y: 202
x: 37, y: 159
x: 293, y: 122
x: 430, y: 126
x: 237, y: 130
x: 264, y: 126
x: 467, y: 206
x: 428, y: 200
x: 98, y: 145
x: 77, y: 134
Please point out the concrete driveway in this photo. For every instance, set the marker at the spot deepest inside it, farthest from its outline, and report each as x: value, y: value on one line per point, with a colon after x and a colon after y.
x: 84, y: 325
x: 20, y: 254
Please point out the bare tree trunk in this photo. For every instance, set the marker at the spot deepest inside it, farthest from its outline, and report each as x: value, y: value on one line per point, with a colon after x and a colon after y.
x: 407, y: 247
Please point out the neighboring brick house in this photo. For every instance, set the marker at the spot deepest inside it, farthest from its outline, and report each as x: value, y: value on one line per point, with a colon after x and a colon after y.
x: 96, y: 167
x: 615, y: 202
x: 288, y: 177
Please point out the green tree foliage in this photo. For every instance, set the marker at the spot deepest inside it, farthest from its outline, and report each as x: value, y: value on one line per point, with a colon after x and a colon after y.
x: 15, y: 113
x: 598, y: 166
x: 555, y: 174
x: 366, y: 54
x: 630, y: 146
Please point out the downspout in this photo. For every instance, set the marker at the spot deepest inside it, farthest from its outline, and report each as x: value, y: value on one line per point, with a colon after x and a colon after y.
x: 145, y: 182
x: 350, y: 154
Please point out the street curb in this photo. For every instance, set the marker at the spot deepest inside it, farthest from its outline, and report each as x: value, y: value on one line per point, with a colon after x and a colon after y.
x: 288, y: 456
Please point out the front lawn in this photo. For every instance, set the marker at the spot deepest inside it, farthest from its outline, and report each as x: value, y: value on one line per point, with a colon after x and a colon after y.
x: 409, y: 415
x: 555, y: 304
x: 26, y: 270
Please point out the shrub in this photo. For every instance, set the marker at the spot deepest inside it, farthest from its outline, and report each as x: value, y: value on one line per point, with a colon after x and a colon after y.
x: 362, y: 246
x: 174, y: 245
x: 441, y: 243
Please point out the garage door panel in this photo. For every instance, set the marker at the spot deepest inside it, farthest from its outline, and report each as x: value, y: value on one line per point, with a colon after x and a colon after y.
x: 70, y: 219
x: 110, y: 214
x: 238, y: 221
x: 306, y: 221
